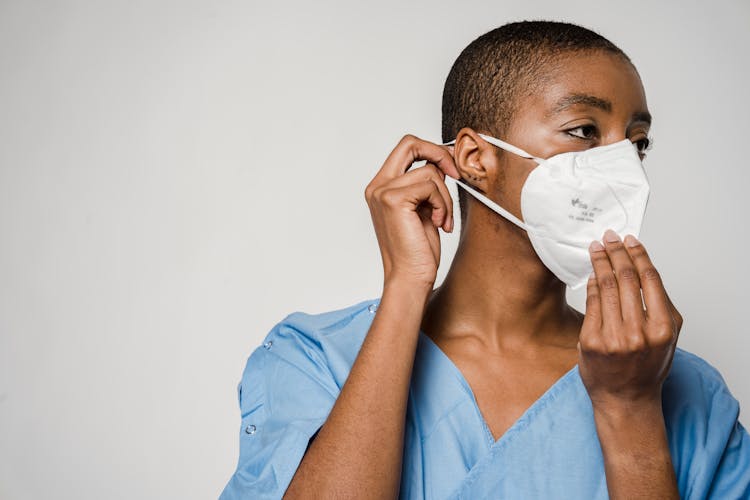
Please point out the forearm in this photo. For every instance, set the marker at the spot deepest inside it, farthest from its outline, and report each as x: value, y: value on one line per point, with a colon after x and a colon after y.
x: 637, y: 461
x: 359, y: 449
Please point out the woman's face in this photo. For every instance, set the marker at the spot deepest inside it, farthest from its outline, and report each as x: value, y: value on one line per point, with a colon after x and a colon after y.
x: 586, y: 100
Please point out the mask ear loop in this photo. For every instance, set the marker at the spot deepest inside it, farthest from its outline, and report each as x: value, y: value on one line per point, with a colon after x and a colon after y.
x: 491, y: 204
x: 510, y: 148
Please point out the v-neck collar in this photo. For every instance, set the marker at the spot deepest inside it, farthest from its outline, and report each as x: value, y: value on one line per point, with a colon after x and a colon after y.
x: 526, y: 418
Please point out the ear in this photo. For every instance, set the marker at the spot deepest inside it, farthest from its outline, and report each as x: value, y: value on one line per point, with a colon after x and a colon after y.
x: 475, y: 158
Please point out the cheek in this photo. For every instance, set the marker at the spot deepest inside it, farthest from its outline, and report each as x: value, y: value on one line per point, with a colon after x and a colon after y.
x: 509, y: 182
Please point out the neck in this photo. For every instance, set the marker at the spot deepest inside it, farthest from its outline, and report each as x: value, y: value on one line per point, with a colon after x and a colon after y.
x: 499, y: 292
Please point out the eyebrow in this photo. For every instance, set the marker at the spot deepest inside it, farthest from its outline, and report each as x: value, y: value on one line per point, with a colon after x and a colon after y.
x: 588, y: 100
x: 595, y: 102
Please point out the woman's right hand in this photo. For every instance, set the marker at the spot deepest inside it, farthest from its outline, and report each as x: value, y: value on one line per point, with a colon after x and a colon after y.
x: 408, y: 207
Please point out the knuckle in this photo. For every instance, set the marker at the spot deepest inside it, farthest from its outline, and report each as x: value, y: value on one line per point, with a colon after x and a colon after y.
x: 615, y: 246
x: 608, y: 282
x: 592, y: 299
x: 636, y: 341
x: 435, y: 174
x: 423, y: 174
x: 649, y: 273
x: 663, y: 339
x: 387, y: 197
x: 599, y: 257
x: 678, y: 319
x: 662, y: 335
x: 429, y: 185
x: 612, y: 301
x: 408, y: 140
x: 638, y: 252
x: 590, y: 342
x: 368, y: 191
x: 615, y: 347
x: 432, y: 170
x: 627, y: 273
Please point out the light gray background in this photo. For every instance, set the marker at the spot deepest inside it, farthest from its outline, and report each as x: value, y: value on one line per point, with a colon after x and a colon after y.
x: 176, y: 177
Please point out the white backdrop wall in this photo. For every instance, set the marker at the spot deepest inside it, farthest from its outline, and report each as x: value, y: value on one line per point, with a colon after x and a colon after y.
x: 175, y: 177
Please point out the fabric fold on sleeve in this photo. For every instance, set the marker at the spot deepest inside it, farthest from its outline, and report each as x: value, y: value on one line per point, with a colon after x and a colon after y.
x: 709, y: 446
x: 285, y: 396
x: 732, y: 477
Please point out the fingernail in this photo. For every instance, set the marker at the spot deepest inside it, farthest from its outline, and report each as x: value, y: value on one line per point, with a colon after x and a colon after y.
x: 592, y: 276
x: 611, y: 236
x: 596, y: 246
x: 631, y: 241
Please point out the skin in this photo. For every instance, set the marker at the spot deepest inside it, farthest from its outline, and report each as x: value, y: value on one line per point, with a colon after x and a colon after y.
x: 501, y: 315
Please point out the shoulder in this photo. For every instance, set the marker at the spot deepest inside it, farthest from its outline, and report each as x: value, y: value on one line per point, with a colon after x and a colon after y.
x: 700, y: 412
x: 710, y: 448
x: 695, y: 392
x: 320, y: 345
x: 693, y: 381
x: 313, y: 334
x: 288, y: 387
x: 316, y: 328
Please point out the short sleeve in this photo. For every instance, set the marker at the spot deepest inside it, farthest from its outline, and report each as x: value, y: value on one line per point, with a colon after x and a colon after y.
x: 732, y: 477
x: 285, y: 396
x: 710, y: 447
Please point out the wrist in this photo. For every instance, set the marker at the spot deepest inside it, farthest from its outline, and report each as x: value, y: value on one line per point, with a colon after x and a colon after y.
x: 404, y: 300
x: 635, y: 448
x: 625, y: 412
x: 632, y: 428
x: 407, y: 289
x: 400, y: 310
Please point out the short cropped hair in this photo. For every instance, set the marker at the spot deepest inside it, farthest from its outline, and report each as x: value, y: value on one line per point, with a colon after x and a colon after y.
x: 495, y: 70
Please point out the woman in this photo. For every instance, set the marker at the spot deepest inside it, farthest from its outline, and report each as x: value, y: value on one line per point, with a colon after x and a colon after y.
x: 491, y: 386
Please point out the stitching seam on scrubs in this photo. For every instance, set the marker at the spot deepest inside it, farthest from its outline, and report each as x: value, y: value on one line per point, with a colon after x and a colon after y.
x: 354, y: 311
x: 338, y: 326
x: 522, y: 423
x: 300, y: 338
x: 445, y: 415
x: 456, y: 372
x: 351, y: 327
x: 307, y: 374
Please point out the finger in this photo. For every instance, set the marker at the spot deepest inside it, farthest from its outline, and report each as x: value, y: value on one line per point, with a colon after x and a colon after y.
x: 438, y: 177
x: 411, y: 149
x: 605, y: 278
x: 591, y: 338
x: 593, y: 316
x: 432, y: 173
x: 628, y: 284
x: 676, y: 316
x: 654, y: 295
x: 417, y: 196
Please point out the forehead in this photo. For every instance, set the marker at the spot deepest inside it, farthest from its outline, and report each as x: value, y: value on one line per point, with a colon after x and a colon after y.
x: 605, y: 77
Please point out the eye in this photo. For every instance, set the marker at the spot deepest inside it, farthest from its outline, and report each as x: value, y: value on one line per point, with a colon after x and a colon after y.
x: 586, y: 132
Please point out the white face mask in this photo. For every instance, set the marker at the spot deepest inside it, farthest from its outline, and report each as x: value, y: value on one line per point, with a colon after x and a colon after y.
x: 570, y: 199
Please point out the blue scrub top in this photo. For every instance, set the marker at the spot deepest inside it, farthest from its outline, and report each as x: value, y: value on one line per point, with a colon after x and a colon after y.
x: 292, y: 380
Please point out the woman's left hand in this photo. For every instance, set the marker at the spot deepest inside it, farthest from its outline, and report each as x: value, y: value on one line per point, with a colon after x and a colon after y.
x: 630, y: 329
